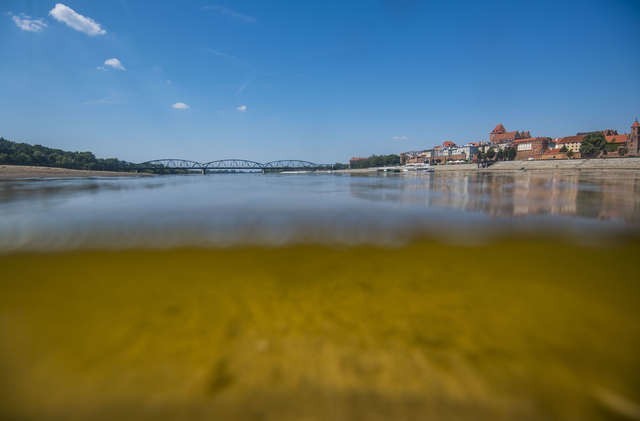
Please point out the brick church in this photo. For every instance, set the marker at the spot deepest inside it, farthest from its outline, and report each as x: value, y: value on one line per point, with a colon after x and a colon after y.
x: 500, y: 135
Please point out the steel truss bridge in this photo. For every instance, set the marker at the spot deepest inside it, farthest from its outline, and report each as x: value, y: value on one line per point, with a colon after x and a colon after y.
x: 232, y: 165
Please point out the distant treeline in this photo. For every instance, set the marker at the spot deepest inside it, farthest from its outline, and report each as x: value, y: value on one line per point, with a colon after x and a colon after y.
x: 376, y: 161
x: 13, y: 153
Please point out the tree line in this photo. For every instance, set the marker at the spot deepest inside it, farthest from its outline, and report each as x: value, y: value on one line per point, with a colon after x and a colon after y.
x: 595, y: 144
x: 376, y: 161
x: 14, y: 153
x: 507, y: 154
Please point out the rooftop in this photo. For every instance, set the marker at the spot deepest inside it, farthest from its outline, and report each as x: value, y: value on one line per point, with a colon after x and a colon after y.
x: 618, y: 138
x: 571, y: 139
x: 499, y: 129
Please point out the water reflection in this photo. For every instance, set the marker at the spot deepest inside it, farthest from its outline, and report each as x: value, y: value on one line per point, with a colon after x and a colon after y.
x: 241, y: 209
x: 612, y: 195
x: 34, y: 190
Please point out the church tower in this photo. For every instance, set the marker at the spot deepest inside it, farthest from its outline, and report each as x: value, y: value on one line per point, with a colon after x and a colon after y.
x: 496, y: 132
x: 634, y: 139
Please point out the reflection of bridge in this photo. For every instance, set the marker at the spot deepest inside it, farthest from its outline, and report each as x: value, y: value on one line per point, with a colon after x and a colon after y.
x: 232, y: 165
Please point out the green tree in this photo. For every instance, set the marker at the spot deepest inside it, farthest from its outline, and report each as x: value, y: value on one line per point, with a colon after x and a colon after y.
x: 491, y: 153
x: 510, y: 153
x: 24, y: 154
x: 593, y: 144
x: 564, y: 149
x: 570, y: 153
x: 377, y: 161
x: 622, y: 151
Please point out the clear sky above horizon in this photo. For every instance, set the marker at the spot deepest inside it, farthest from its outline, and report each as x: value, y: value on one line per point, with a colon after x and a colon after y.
x: 320, y: 81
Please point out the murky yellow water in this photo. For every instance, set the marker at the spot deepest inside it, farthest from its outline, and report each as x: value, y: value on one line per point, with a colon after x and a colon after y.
x: 516, y: 329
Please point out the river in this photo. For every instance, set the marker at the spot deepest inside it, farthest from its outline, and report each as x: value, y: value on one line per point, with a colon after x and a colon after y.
x: 321, y: 296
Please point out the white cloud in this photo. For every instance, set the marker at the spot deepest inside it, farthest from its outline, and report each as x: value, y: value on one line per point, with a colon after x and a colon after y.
x: 230, y: 12
x: 180, y: 106
x: 241, y: 108
x: 75, y: 20
x: 26, y: 23
x: 400, y: 138
x: 114, y: 63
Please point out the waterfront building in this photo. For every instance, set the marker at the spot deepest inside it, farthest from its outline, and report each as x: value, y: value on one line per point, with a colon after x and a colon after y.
x: 531, y: 147
x: 617, y: 139
x: 468, y: 151
x: 448, y: 144
x: 499, y: 135
x: 450, y: 152
x: 634, y: 139
x: 416, y: 157
x: 527, y: 147
x: 571, y: 143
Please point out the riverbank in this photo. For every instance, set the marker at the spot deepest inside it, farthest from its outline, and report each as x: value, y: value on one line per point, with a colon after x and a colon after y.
x: 625, y: 164
x: 12, y: 172
x: 567, y: 164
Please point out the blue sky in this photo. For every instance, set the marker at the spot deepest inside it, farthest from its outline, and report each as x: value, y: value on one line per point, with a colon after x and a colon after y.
x: 321, y: 81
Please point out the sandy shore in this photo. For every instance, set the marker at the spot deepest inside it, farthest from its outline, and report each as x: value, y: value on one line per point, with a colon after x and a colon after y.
x: 10, y: 172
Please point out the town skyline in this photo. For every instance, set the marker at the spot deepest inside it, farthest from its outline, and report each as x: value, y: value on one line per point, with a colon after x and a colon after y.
x: 503, y: 144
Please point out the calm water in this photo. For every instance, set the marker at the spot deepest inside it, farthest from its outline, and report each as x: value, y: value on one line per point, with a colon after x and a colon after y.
x: 276, y: 209
x: 449, y: 323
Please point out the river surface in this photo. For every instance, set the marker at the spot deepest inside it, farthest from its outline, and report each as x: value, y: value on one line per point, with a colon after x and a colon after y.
x: 227, y: 209
x: 485, y: 296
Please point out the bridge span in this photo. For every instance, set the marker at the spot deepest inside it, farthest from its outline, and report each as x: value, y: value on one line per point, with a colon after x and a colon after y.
x: 232, y: 165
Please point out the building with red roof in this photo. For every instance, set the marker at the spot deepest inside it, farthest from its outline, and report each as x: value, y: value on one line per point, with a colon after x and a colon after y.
x: 531, y: 147
x: 618, y: 139
x: 500, y: 135
x: 571, y: 143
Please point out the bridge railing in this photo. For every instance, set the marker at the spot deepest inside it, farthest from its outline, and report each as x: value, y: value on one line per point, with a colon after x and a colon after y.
x: 231, y: 164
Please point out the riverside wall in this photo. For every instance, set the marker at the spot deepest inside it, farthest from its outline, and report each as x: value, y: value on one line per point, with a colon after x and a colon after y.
x: 622, y: 164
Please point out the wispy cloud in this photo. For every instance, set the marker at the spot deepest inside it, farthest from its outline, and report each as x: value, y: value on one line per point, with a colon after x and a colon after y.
x: 244, y: 86
x: 75, y: 20
x: 398, y: 138
x: 221, y: 54
x: 180, y: 106
x: 26, y: 23
x: 230, y: 12
x: 114, y: 63
x: 241, y: 108
x: 236, y: 61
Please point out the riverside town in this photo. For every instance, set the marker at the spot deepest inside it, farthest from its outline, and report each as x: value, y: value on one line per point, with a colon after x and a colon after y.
x: 506, y: 145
